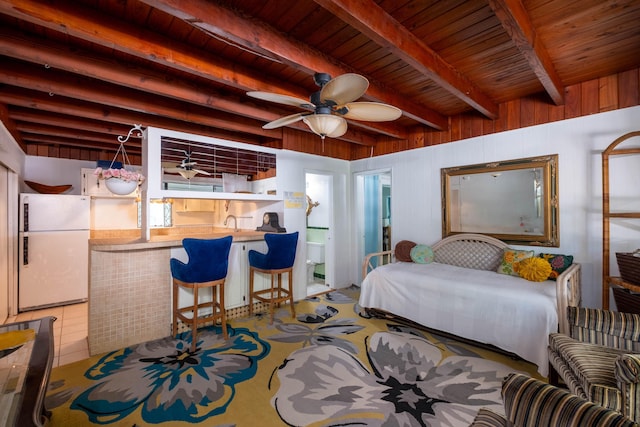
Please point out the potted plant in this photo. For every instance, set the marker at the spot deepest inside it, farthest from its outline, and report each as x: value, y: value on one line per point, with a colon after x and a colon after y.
x: 119, y: 181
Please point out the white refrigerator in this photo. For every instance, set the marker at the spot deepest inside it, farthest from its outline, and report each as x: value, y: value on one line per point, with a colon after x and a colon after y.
x: 54, y: 250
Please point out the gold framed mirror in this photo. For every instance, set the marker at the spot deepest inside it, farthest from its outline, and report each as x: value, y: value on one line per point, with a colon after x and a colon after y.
x: 515, y: 201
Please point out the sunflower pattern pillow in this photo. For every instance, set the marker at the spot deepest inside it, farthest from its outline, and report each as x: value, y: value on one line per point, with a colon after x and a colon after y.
x: 510, y: 260
x: 534, y: 269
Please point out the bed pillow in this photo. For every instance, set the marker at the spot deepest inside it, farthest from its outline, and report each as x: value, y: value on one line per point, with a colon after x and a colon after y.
x: 559, y: 263
x: 403, y: 250
x: 534, y: 269
x: 510, y: 260
x: 422, y: 254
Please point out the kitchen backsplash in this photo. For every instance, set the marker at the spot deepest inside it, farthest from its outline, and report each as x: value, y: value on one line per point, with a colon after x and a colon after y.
x: 111, y: 215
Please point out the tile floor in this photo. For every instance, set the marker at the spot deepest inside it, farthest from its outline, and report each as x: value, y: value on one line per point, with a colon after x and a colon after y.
x: 69, y: 331
x: 317, y: 288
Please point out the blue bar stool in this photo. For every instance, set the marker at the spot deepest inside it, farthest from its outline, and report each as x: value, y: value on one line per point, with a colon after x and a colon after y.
x: 278, y: 260
x: 207, y: 268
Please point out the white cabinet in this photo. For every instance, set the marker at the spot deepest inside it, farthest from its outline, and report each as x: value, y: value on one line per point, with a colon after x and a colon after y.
x: 92, y: 186
x: 236, y: 286
x: 237, y: 283
x: 194, y: 205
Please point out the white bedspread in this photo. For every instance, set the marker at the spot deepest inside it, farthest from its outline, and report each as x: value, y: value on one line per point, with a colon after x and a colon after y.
x: 506, y: 311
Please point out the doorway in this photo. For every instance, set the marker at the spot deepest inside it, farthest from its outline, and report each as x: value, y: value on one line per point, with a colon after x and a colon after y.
x: 319, y: 249
x: 373, y: 214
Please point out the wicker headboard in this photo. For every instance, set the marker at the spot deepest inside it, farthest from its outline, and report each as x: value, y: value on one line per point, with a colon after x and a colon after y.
x: 475, y: 251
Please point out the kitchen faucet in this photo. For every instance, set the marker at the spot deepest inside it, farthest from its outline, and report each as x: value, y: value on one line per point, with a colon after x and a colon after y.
x: 235, y: 222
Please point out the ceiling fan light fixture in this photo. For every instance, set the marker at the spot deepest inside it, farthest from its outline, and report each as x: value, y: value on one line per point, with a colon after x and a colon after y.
x: 326, y: 125
x: 188, y: 173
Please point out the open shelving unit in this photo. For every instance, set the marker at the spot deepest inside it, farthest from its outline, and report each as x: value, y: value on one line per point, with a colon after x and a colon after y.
x: 607, y: 215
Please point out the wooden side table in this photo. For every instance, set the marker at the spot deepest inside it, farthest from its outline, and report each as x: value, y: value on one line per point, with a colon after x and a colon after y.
x: 25, y: 367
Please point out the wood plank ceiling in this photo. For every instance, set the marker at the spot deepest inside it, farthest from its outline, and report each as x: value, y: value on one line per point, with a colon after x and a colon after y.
x: 76, y: 74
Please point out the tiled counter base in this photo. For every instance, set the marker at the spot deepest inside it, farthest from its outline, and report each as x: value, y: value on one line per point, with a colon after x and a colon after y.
x: 129, y: 297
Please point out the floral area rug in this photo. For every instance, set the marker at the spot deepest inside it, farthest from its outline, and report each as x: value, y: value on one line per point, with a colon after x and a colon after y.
x: 328, y: 367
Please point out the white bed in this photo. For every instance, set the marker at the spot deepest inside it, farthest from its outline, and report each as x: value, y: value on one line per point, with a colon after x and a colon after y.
x: 505, y: 311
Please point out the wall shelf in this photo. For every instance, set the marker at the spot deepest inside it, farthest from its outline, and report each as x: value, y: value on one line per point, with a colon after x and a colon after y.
x: 608, y: 215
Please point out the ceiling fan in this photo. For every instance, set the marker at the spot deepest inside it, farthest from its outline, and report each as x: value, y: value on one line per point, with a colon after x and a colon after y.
x: 186, y: 168
x: 331, y: 105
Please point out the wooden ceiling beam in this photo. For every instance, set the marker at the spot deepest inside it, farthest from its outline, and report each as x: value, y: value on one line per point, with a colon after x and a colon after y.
x: 373, y: 21
x: 30, y: 98
x: 62, y: 132
x: 516, y: 22
x: 62, y: 120
x: 257, y: 36
x: 38, y: 51
x: 58, y: 104
x: 65, y: 84
x: 34, y: 138
x: 92, y: 26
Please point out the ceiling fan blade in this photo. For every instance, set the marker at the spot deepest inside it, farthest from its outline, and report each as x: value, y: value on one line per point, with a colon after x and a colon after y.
x: 282, y: 99
x: 283, y: 121
x: 201, y: 172
x: 345, y: 88
x: 371, y: 111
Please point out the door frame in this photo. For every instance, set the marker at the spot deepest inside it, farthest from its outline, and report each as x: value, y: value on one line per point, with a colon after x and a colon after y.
x: 329, y: 249
x: 359, y: 217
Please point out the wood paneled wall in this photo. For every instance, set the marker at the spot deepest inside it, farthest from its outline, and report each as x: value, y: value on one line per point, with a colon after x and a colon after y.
x: 77, y: 153
x: 613, y: 92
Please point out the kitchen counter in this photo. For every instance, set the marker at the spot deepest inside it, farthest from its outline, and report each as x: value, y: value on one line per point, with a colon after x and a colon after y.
x: 130, y: 283
x: 112, y: 244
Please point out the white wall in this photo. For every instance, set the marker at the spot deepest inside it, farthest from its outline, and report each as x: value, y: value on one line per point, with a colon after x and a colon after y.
x: 416, y: 202
x: 12, y: 161
x: 10, y: 153
x: 292, y: 167
x: 50, y: 171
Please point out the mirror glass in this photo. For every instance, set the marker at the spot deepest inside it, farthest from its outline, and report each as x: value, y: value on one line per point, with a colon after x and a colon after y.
x: 200, y: 166
x: 514, y: 201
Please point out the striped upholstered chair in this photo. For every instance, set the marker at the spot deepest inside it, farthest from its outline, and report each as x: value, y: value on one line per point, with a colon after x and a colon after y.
x: 600, y: 359
x: 529, y: 402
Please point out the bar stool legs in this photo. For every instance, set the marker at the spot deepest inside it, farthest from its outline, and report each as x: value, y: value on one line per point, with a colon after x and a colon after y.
x: 216, y: 305
x: 274, y: 295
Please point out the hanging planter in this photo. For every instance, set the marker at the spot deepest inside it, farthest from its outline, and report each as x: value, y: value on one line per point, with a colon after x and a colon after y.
x: 121, y: 187
x: 121, y: 181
